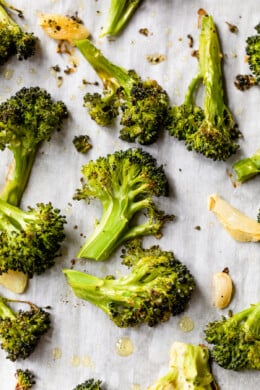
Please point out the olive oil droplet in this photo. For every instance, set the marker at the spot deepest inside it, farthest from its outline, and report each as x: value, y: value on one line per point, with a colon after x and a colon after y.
x: 124, y: 346
x: 186, y: 324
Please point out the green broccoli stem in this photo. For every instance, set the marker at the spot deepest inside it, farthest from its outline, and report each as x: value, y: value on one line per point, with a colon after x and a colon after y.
x: 18, y: 176
x: 103, y: 240
x: 112, y: 76
x: 247, y: 168
x: 101, y: 292
x: 5, y: 310
x: 210, y: 70
x: 12, y: 218
x: 120, y: 12
x: 4, y: 16
x: 192, y: 88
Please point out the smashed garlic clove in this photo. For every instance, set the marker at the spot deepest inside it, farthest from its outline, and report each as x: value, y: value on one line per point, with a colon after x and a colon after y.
x: 63, y: 28
x: 223, y: 289
x: 14, y: 281
x: 238, y: 225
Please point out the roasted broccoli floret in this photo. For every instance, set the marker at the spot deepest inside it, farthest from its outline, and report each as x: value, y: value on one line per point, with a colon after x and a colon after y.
x: 82, y: 143
x: 29, y: 240
x: 143, y: 105
x: 25, y: 379
x: 189, y: 369
x: 90, y: 384
x: 26, y: 119
x: 157, y: 287
x: 125, y: 182
x: 14, y: 41
x: 20, y: 331
x: 236, y: 339
x: 246, y: 81
x: 209, y: 130
x: 120, y: 12
x: 247, y: 168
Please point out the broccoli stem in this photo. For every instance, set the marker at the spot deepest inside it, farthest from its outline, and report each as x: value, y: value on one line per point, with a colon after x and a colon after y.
x: 5, y: 310
x: 247, y: 168
x: 4, y: 16
x: 13, y: 218
x: 119, y: 14
x: 211, y: 72
x: 17, y: 177
x: 112, y: 76
x: 104, y: 239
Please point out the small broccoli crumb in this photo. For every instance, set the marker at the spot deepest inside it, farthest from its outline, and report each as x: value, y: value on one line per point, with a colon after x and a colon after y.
x: 82, y: 143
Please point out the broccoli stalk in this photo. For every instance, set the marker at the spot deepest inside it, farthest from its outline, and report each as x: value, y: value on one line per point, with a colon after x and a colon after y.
x: 20, y: 331
x: 125, y: 183
x: 236, y: 339
x: 14, y: 41
x: 26, y: 119
x: 157, y: 287
x: 209, y: 130
x: 90, y: 384
x: 248, y: 167
x: 29, y: 240
x: 143, y: 105
x: 25, y: 379
x: 246, y: 81
x: 120, y: 12
x: 189, y: 369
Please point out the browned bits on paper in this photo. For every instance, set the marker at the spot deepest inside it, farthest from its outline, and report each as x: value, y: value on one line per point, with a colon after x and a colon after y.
x: 156, y: 58
x: 190, y: 38
x: 232, y: 28
x: 144, y: 31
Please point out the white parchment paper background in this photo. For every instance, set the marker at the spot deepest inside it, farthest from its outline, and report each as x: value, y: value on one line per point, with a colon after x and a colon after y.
x: 82, y: 341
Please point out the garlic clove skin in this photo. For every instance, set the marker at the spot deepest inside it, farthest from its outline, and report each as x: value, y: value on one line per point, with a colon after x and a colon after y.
x: 223, y: 289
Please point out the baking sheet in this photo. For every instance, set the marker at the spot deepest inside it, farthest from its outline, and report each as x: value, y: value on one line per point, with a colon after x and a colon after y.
x: 82, y: 342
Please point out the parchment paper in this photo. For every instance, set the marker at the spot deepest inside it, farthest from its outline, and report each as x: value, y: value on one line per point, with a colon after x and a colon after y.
x: 82, y: 342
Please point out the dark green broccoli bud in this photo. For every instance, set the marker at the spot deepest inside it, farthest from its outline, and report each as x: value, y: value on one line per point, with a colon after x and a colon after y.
x: 209, y: 130
x: 157, y: 287
x: 81, y: 143
x: 29, y: 240
x: 90, y: 384
x: 143, y: 105
x: 20, y: 331
x: 14, y: 41
x: 26, y: 119
x: 258, y: 216
x: 189, y: 368
x: 247, y: 168
x: 119, y: 15
x: 25, y: 379
x: 236, y: 339
x: 125, y: 183
x: 244, y: 82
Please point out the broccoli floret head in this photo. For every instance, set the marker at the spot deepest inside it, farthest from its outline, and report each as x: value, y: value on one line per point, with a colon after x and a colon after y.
x: 29, y: 240
x: 26, y: 119
x: 14, y: 41
x: 119, y: 15
x: 142, y: 105
x: 258, y: 216
x: 82, y: 143
x: 25, y: 379
x: 236, y: 339
x: 20, y: 331
x: 103, y: 109
x: 157, y: 287
x: 90, y: 384
x: 125, y: 182
x: 189, y: 368
x: 244, y: 82
x: 209, y: 130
